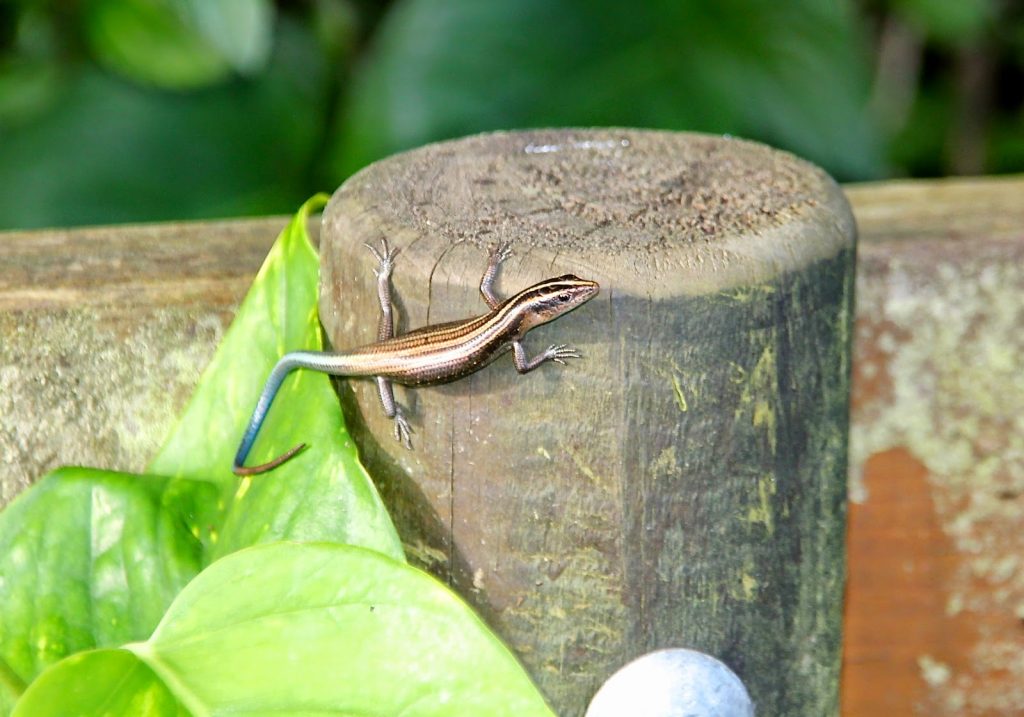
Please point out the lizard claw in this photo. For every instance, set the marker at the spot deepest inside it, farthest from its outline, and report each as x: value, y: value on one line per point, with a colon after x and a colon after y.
x: 385, y: 258
x: 403, y: 431
x: 559, y: 352
x: 500, y: 252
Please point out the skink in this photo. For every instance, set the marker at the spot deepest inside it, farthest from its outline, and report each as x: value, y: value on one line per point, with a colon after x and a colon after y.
x: 433, y: 354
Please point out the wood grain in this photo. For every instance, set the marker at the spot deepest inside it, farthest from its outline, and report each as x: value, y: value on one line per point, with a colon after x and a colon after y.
x: 684, y: 484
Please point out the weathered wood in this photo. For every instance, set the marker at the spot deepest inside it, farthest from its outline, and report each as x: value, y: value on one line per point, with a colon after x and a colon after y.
x: 103, y: 335
x: 684, y: 484
x: 935, y: 601
x: 84, y: 314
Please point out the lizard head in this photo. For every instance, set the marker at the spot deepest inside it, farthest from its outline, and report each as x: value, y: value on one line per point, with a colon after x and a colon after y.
x: 549, y: 299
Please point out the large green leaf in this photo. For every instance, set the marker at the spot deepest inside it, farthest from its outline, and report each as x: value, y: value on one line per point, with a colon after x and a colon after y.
x: 304, y: 629
x: 323, y: 493
x: 789, y: 73
x: 89, y: 558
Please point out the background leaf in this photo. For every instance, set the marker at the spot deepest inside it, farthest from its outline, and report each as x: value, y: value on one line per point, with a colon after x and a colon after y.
x: 323, y: 493
x: 241, y: 30
x: 26, y: 87
x: 90, y: 558
x: 236, y: 107
x: 153, y: 42
x: 951, y: 21
x: 790, y: 73
x: 109, y: 150
x: 315, y: 629
x: 180, y: 44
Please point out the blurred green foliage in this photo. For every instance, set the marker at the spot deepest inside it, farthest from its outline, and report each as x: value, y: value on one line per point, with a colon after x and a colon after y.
x: 132, y: 110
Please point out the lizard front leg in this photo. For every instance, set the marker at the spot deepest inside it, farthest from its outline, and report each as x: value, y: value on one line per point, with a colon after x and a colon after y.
x: 386, y: 330
x: 556, y: 352
x: 499, y: 253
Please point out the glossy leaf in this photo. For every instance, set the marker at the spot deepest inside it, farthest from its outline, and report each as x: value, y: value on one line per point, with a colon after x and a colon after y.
x: 323, y: 493
x: 90, y: 558
x: 290, y: 629
x: 789, y: 73
x: 180, y: 44
x: 100, y: 683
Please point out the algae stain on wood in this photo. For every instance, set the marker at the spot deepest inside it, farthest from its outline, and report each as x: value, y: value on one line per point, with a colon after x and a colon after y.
x: 578, y: 461
x: 762, y: 512
x: 746, y: 586
x: 760, y: 385
x: 763, y: 384
x: 680, y: 396
x: 666, y: 464
x: 676, y: 376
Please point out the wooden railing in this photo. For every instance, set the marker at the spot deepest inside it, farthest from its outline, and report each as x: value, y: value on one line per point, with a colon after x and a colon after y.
x: 104, y: 331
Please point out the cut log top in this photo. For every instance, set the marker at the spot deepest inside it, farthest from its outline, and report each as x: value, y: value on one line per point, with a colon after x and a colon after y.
x: 659, y: 213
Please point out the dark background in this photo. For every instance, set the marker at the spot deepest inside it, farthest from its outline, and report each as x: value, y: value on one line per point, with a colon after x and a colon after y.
x: 145, y: 110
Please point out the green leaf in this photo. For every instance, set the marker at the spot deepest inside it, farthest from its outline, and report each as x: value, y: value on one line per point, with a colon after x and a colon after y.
x: 323, y: 493
x: 180, y: 44
x: 790, y: 73
x: 106, y: 150
x: 957, y: 22
x: 117, y: 684
x: 90, y: 558
x: 152, y: 41
x: 27, y: 88
x: 240, y: 30
x: 316, y: 629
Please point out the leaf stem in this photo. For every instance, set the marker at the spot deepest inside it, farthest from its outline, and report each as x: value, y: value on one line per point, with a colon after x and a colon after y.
x: 10, y: 680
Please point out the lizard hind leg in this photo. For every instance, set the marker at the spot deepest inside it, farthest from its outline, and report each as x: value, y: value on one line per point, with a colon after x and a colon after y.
x: 403, y: 431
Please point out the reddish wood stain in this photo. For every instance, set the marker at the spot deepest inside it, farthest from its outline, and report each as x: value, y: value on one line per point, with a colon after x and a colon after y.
x: 900, y: 563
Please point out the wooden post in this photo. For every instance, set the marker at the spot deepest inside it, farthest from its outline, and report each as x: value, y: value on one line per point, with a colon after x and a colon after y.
x: 683, y: 484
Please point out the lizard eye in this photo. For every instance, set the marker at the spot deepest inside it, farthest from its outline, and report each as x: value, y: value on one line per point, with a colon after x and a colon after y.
x: 564, y: 297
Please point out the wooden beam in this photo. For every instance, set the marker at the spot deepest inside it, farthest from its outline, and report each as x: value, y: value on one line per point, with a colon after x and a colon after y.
x: 104, y: 332
x: 935, y: 598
